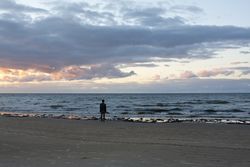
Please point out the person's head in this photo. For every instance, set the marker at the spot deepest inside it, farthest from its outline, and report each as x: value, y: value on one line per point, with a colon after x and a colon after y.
x: 102, y: 101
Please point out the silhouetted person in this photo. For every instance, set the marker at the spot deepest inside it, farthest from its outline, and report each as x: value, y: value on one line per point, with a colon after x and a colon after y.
x: 103, y: 110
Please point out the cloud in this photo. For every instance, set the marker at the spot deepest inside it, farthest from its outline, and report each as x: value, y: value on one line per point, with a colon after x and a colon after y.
x: 214, y: 72
x: 13, y: 75
x: 85, y: 13
x: 97, y: 71
x: 156, y: 77
x: 152, y: 17
x: 27, y: 78
x: 186, y: 8
x: 184, y: 61
x: 65, y: 38
x: 11, y: 5
x: 67, y: 73
x: 148, y: 65
x: 246, y: 72
x: 239, y: 62
x: 56, y: 42
x: 243, y: 70
x: 206, y: 73
x: 245, y: 52
x: 187, y: 75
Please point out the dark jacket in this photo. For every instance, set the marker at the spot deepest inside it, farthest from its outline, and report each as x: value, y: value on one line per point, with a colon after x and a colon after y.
x: 102, y: 108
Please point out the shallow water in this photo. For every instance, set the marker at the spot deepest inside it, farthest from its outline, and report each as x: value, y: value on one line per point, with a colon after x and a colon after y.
x: 231, y: 106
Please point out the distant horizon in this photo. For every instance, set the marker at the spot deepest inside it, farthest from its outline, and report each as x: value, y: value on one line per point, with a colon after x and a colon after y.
x: 54, y: 93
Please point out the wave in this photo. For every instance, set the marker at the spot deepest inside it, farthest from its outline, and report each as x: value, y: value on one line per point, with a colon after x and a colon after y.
x: 191, y: 118
x: 189, y: 102
x: 175, y: 109
x: 174, y: 113
x: 64, y: 101
x: 125, y: 113
x: 210, y: 111
x: 56, y: 106
x: 121, y: 106
x: 184, y: 103
x: 72, y: 109
x: 214, y: 111
x: 236, y: 110
x: 203, y: 102
x: 155, y: 110
x: 145, y: 105
x: 152, y: 105
x: 145, y: 112
x: 217, y: 102
x: 161, y: 105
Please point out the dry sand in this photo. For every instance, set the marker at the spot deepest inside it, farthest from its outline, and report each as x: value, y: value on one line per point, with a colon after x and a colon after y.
x: 37, y: 142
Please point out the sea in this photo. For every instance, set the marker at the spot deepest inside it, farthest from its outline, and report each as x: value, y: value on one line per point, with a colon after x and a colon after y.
x: 235, y: 106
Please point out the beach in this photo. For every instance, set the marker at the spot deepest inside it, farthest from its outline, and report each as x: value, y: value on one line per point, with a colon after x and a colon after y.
x: 39, y: 142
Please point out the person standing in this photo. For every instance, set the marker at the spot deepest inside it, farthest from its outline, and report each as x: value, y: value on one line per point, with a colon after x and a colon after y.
x: 103, y: 110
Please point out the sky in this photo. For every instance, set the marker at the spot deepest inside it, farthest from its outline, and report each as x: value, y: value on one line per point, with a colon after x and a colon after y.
x: 124, y: 46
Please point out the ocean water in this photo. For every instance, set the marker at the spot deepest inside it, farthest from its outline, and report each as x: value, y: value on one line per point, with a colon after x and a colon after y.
x: 230, y: 106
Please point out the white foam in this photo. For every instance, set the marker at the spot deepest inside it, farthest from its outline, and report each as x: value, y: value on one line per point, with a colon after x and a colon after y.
x: 130, y: 119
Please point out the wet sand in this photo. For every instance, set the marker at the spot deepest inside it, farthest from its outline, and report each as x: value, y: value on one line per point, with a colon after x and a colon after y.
x: 38, y: 142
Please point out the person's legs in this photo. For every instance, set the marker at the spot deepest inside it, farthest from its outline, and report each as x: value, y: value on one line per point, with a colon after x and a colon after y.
x: 102, y: 116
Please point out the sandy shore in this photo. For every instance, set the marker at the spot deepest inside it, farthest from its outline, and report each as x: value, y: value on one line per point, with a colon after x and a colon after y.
x: 37, y: 142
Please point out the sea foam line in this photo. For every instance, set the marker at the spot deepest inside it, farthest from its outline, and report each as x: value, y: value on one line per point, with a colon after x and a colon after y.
x: 126, y: 119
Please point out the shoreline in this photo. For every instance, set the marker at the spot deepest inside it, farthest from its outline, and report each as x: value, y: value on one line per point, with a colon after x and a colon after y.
x: 130, y: 119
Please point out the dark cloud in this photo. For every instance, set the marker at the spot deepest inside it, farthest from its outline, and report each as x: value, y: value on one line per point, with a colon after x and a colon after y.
x: 58, y: 42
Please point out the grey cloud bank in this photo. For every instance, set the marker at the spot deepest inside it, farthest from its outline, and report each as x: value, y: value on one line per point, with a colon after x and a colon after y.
x: 57, y: 42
